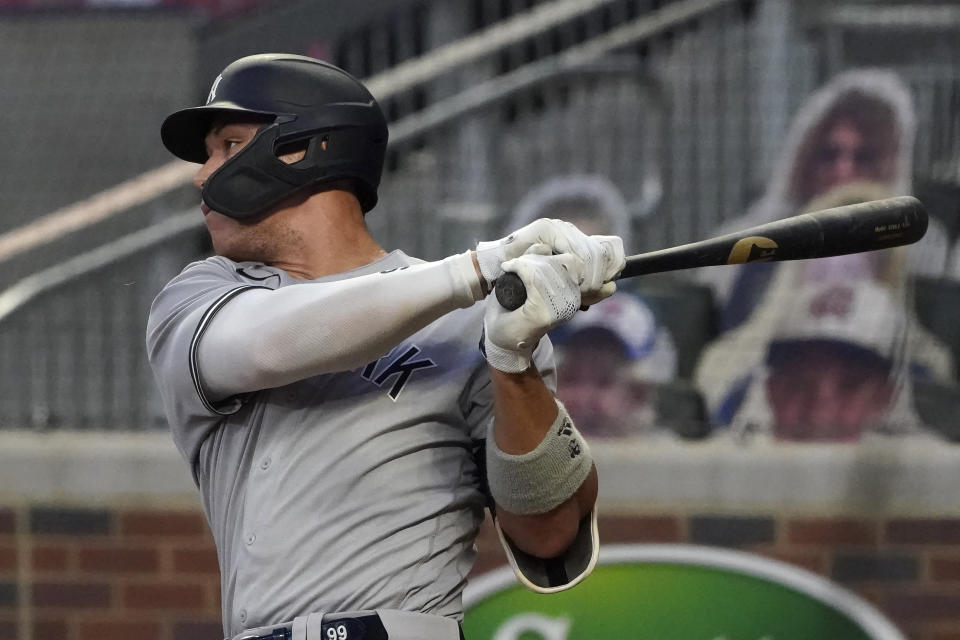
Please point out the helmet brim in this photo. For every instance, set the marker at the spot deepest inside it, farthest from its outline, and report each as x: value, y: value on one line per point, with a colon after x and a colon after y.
x: 183, y: 132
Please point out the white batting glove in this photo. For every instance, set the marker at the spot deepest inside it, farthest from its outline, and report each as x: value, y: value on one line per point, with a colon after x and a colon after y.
x: 553, y: 296
x: 602, y: 256
x: 606, y: 261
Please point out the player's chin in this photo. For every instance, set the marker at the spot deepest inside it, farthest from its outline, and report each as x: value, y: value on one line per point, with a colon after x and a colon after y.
x: 217, y: 223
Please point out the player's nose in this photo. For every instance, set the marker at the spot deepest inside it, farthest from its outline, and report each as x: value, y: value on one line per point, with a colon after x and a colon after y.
x: 199, y: 177
x: 203, y: 173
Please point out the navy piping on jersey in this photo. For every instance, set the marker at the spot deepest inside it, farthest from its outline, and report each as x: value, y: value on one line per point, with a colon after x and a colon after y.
x: 201, y: 327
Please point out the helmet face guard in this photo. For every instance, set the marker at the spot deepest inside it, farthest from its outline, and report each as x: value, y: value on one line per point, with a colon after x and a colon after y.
x: 305, y: 102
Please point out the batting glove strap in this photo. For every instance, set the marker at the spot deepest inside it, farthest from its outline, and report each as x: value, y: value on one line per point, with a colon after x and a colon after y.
x: 506, y: 360
x: 544, y: 478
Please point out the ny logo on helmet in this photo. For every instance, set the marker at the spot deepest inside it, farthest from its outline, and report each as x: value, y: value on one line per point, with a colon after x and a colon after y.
x: 213, y: 89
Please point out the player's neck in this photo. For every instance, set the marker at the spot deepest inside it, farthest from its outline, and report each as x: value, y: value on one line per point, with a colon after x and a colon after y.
x: 324, y: 262
x: 335, y: 239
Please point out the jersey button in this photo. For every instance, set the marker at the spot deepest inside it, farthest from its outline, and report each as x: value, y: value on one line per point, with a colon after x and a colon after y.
x: 251, y: 538
x: 265, y: 463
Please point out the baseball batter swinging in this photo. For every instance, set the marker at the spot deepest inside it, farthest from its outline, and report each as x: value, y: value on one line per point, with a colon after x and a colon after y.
x: 330, y: 396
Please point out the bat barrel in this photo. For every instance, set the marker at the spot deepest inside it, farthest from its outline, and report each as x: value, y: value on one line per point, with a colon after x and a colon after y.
x: 868, y: 226
x: 855, y: 228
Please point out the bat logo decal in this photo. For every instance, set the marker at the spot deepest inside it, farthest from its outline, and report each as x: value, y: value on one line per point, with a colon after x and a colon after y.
x: 752, y: 249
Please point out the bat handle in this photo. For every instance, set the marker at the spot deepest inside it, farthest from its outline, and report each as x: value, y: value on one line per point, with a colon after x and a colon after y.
x: 511, y: 294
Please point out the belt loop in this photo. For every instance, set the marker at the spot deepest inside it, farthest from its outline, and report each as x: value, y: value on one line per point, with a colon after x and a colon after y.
x: 308, y: 627
x: 298, y: 630
x: 314, y: 626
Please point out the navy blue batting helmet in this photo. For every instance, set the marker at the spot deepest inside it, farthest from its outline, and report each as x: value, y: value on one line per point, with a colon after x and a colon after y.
x: 306, y: 104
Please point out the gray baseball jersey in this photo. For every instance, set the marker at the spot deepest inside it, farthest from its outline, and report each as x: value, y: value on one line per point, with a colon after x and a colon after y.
x: 352, y: 490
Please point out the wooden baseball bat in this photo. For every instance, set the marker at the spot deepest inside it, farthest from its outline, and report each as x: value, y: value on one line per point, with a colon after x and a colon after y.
x: 854, y: 228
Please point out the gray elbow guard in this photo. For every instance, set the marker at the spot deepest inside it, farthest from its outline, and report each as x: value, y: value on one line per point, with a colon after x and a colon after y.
x: 542, y: 479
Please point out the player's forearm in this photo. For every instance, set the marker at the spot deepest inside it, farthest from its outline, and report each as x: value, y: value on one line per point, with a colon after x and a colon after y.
x: 267, y: 338
x: 524, y: 408
x: 525, y: 411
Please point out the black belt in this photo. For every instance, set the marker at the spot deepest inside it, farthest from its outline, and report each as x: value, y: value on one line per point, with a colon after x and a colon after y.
x: 362, y: 627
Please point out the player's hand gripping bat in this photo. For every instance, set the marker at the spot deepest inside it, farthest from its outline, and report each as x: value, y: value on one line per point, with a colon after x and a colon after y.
x: 854, y: 228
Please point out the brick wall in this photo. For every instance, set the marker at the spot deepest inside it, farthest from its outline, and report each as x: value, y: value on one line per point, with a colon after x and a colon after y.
x: 125, y: 573
x: 80, y: 573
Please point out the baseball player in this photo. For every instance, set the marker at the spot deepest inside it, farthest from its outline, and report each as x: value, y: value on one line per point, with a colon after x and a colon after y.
x: 344, y: 429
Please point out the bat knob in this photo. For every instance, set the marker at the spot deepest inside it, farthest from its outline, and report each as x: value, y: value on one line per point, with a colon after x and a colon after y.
x: 511, y: 294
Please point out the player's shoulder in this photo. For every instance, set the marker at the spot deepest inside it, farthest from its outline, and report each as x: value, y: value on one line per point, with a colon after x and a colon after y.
x: 203, y: 284
x: 208, y: 266
x: 221, y: 268
x: 208, y: 279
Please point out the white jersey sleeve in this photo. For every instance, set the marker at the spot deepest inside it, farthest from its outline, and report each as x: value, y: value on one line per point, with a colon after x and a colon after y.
x: 268, y: 338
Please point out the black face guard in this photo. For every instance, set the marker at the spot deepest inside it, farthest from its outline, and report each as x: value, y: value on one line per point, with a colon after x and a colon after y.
x: 255, y: 180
